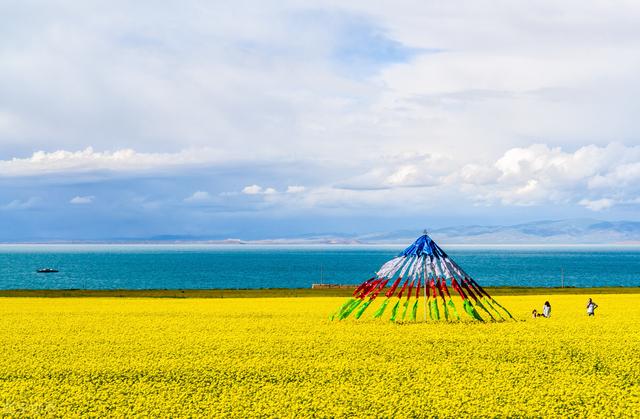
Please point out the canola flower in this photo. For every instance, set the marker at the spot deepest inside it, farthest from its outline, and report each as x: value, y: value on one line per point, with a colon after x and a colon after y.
x: 283, y: 357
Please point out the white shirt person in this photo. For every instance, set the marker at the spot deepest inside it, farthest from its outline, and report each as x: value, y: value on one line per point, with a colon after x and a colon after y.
x: 591, y: 307
x: 546, y: 309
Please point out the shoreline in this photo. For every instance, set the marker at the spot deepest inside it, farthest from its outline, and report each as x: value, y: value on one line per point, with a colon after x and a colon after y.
x: 343, y: 291
x: 320, y: 244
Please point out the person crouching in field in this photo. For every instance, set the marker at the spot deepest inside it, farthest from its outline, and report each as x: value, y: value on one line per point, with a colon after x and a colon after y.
x: 546, y: 311
x: 591, y: 307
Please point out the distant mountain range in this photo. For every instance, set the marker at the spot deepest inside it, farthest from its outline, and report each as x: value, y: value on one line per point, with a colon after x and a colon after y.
x: 580, y: 231
x: 554, y: 232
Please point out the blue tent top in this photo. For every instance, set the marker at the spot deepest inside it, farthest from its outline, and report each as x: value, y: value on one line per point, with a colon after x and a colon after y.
x: 423, y: 246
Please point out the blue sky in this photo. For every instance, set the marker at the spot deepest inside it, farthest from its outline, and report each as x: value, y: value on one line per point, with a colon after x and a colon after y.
x: 277, y: 119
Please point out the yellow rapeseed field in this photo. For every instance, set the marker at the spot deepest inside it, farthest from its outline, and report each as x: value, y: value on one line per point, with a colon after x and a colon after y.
x: 283, y: 357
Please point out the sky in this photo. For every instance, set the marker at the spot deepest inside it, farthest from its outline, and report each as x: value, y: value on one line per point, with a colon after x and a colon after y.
x: 267, y: 119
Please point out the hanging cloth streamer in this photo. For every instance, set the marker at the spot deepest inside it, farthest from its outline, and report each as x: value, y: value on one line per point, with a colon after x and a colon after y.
x: 426, y: 267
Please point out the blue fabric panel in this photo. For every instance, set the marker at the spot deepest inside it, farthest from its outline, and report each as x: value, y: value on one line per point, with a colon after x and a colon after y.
x: 424, y: 246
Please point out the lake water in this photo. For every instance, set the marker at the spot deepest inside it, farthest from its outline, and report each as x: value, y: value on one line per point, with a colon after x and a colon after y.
x: 211, y: 266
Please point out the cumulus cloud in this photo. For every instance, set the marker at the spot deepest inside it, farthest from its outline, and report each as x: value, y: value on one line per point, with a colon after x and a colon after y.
x: 88, y: 160
x: 252, y: 190
x: 598, y: 204
x: 592, y: 176
x: 293, y: 77
x: 477, y: 174
x: 538, y: 174
x: 21, y: 204
x: 400, y: 171
x: 412, y: 110
x: 258, y: 190
x: 273, y: 72
x: 82, y: 200
x: 295, y: 189
x: 198, y: 196
x: 623, y: 175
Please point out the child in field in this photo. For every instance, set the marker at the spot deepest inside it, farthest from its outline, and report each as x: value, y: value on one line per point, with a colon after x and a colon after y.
x: 534, y: 313
x: 546, y: 310
x: 591, y: 307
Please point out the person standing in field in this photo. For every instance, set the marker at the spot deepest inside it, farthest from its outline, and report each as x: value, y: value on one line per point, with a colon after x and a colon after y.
x: 546, y: 309
x: 591, y: 307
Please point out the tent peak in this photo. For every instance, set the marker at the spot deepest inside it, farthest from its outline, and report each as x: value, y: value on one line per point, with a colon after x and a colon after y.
x: 423, y: 246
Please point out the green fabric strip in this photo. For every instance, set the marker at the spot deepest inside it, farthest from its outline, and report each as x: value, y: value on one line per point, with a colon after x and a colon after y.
x: 363, y: 308
x: 486, y: 301
x: 414, y: 312
x: 342, y: 308
x: 434, y: 309
x: 446, y: 311
x: 381, y: 309
x: 349, y: 309
x: 394, y: 311
x: 405, y: 307
x: 453, y: 309
x: 505, y: 310
x: 479, y: 304
x: 471, y: 311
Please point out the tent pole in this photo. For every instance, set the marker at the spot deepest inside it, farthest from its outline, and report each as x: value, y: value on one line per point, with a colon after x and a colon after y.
x: 424, y: 278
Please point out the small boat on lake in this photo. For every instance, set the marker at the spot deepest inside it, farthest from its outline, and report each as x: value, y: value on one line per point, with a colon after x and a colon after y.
x: 46, y: 270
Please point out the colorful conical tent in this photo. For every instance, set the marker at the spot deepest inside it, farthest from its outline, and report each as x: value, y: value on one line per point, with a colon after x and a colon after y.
x: 422, y: 270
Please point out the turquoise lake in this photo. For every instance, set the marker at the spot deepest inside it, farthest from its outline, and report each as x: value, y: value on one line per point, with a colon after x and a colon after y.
x: 213, y: 266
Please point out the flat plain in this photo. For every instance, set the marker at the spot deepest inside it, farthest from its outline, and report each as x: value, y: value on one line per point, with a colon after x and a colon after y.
x: 249, y: 357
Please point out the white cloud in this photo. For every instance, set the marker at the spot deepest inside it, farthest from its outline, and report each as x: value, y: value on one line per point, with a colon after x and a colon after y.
x: 598, y: 204
x: 258, y: 190
x: 198, y: 196
x: 88, y: 160
x: 399, y: 171
x: 623, y: 175
x: 271, y: 72
x: 19, y: 204
x: 592, y: 176
x: 477, y: 174
x: 539, y: 174
x: 82, y: 200
x: 457, y: 125
x: 295, y: 189
x: 252, y: 190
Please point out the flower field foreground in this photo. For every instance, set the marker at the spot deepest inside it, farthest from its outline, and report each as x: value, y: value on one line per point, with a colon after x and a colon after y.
x: 283, y: 357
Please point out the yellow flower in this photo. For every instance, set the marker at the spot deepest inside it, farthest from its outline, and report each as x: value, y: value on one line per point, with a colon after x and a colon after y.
x: 277, y: 357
